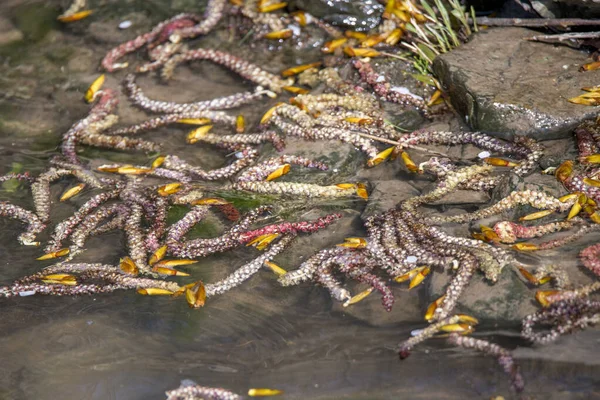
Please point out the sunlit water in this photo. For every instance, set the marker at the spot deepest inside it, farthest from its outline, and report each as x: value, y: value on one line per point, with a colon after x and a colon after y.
x: 126, y: 346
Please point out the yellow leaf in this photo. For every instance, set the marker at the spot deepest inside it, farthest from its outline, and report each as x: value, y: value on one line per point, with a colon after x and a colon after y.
x: 154, y: 292
x: 72, y: 192
x: 280, y: 171
x: 262, y: 392
x: 90, y: 94
x: 78, y: 16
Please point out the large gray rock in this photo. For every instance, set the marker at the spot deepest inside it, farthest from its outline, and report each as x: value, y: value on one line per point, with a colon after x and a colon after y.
x: 356, y: 15
x: 567, y: 8
x: 501, y: 83
x: 506, y: 301
x: 8, y: 33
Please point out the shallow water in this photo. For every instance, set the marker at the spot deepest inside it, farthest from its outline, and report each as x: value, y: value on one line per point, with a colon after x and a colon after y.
x: 126, y: 346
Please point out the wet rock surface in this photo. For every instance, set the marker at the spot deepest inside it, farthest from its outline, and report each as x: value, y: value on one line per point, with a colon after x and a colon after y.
x: 501, y: 83
x: 567, y: 8
x: 8, y: 33
x: 355, y: 15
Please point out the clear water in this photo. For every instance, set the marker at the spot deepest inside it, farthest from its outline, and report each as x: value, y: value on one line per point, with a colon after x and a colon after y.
x: 126, y: 346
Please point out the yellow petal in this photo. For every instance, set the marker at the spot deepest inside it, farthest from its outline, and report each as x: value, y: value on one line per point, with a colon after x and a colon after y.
x: 154, y: 292
x: 346, y: 185
x: 284, y: 169
x: 111, y: 168
x: 355, y: 35
x: 592, y: 159
x: 409, y: 275
x: 568, y: 197
x: 300, y: 17
x: 267, y: 116
x: 266, y: 241
x: 525, y: 247
x: 276, y: 35
x: 361, y: 52
x: 542, y: 296
x: 394, y: 37
x: 168, y: 271
x: 262, y: 240
x: 459, y: 327
x: 158, y: 255
x: 158, y: 162
x: 585, y: 100
x: 564, y: 171
x: 436, y: 98
x: 194, y: 121
x: 169, y: 188
x: 575, y: 210
x: 410, y: 164
x: 174, y: 263
x: 127, y: 265
x: 371, y: 41
x: 210, y: 201
x: 240, y: 124
x: 329, y: 47
x: 196, y: 295
x: 432, y: 307
x: 359, y: 120
x: 60, y: 282
x: 72, y: 192
x: 536, y: 215
x: 262, y: 392
x: 90, y: 94
x: 402, y: 15
x: 275, y: 268
x: 133, y: 170
x: 359, y: 297
x: 380, y: 157
x: 353, y: 243
x: 361, y: 191
x: 591, y: 182
x: 544, y: 280
x: 419, y: 277
x: 467, y: 319
x: 590, y: 66
x: 295, y: 90
x: 528, y: 275
x: 76, y: 16
x: 198, y: 133
x: 499, y: 162
x: 271, y: 7
x: 300, y: 68
x: 489, y: 234
x: 595, y: 217
x: 54, y: 254
x: 59, y: 277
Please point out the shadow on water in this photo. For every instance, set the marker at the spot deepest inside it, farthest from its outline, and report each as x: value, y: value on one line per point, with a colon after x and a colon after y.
x: 126, y: 346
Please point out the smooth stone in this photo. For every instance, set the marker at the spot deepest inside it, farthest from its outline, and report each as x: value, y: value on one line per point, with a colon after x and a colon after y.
x: 8, y: 33
x: 348, y: 14
x: 516, y: 86
x: 504, y: 302
x: 567, y: 8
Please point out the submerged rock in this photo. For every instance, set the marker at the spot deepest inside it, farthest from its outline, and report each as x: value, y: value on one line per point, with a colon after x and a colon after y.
x: 567, y: 8
x: 8, y: 32
x: 506, y: 301
x: 501, y: 83
x: 355, y: 15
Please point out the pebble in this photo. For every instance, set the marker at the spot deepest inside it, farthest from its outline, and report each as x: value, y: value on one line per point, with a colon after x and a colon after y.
x: 125, y: 24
